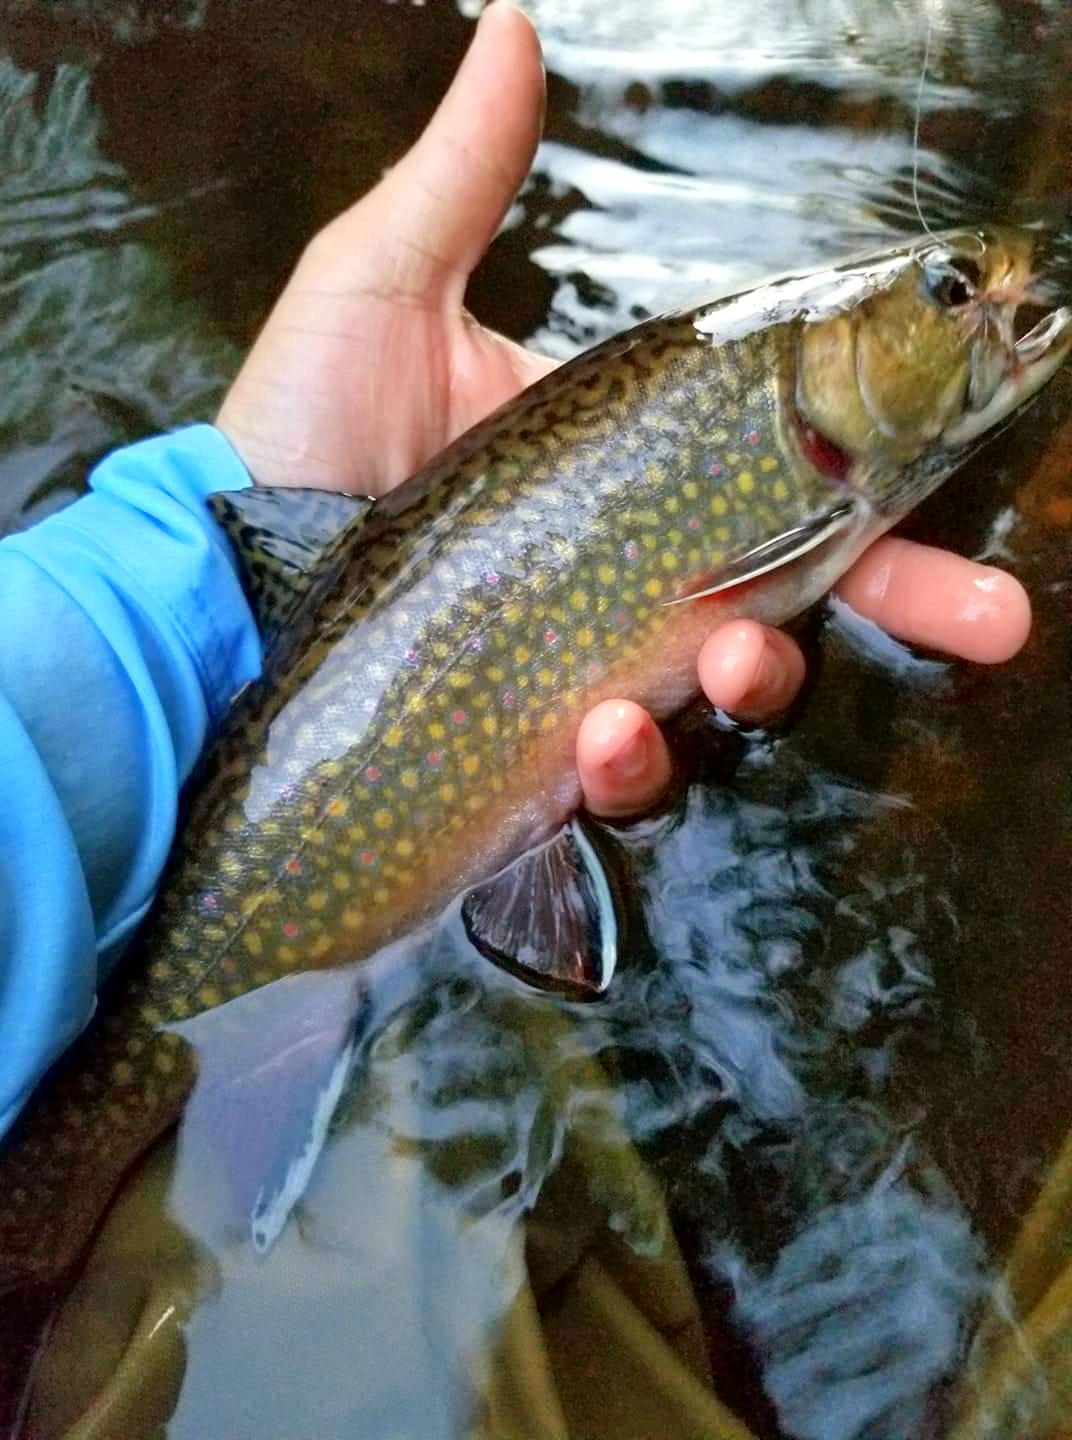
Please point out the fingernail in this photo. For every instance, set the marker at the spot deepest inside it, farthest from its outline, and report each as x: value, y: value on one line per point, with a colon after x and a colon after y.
x: 769, y: 677
x: 632, y: 760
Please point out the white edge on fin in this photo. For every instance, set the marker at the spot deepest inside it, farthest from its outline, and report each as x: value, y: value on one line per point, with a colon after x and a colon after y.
x: 268, y: 1219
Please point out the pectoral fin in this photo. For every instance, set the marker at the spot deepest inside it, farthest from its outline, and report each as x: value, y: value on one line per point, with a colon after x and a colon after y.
x: 287, y: 542
x: 772, y: 554
x: 550, y: 917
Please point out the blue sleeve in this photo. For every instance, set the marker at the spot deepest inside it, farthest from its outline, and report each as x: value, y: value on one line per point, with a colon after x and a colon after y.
x: 124, y: 634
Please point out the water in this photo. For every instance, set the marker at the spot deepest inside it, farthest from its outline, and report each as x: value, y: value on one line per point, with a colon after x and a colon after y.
x: 784, y: 1163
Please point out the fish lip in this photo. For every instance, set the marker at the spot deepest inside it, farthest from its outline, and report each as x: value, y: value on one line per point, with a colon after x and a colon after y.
x: 1041, y: 338
x: 1031, y: 361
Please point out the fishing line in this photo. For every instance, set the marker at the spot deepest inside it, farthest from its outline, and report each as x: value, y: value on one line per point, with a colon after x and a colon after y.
x: 915, y: 128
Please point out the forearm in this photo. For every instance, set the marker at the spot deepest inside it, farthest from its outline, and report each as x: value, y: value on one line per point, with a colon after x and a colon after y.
x: 124, y: 635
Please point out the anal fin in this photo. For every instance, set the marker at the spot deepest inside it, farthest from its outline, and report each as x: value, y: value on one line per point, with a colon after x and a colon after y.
x: 550, y: 917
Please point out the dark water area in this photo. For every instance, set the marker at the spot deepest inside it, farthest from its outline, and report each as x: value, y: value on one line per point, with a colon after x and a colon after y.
x: 801, y: 1136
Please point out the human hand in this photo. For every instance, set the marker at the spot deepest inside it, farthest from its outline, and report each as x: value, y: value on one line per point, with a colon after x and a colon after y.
x: 370, y: 364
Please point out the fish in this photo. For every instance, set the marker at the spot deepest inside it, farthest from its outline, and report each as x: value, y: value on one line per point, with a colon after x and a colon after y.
x: 429, y: 657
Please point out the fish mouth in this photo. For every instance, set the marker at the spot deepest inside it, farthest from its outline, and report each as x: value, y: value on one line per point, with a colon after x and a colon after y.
x: 1006, y: 377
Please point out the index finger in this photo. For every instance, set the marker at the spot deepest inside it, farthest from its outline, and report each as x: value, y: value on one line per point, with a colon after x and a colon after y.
x: 943, y: 601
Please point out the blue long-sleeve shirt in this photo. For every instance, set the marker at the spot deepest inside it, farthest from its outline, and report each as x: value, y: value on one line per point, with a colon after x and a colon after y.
x: 124, y: 634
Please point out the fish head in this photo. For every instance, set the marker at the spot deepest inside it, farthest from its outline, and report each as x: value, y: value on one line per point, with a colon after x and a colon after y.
x: 896, y: 388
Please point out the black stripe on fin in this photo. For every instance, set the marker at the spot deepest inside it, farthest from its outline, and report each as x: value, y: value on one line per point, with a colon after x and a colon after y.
x: 287, y: 542
x: 550, y: 917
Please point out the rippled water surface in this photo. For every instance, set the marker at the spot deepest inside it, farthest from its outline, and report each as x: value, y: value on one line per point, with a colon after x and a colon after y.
x: 785, y: 1163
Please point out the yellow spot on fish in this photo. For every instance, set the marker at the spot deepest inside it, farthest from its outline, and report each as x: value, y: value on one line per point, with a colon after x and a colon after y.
x: 521, y: 655
x: 209, y: 996
x: 495, y: 673
x: 459, y: 679
x: 607, y: 574
x: 337, y: 807
x: 673, y: 505
x: 718, y: 505
x: 670, y: 560
x: 409, y: 779
x: 585, y: 636
x: 546, y: 677
x: 722, y: 533
x: 745, y: 482
x: 383, y: 819
x: 317, y: 900
x: 404, y: 848
x: 341, y: 880
x: 381, y: 894
x: 122, y: 1072
x: 654, y: 588
x: 579, y: 600
x: 446, y: 793
x: 436, y: 731
x: 252, y: 941
x: 352, y: 919
x: 490, y: 725
x: 548, y: 722
x: 768, y: 463
x: 393, y: 737
x: 690, y: 490
x: 320, y: 946
x: 780, y: 490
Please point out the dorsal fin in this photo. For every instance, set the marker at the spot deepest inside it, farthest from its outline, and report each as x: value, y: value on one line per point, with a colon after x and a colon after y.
x: 287, y: 542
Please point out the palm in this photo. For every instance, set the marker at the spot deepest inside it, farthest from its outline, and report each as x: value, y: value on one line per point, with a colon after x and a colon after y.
x: 384, y: 377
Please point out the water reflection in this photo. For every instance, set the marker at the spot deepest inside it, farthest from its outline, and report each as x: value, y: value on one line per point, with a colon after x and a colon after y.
x: 739, y: 1088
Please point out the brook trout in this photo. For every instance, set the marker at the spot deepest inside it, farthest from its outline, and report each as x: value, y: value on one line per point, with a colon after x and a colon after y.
x: 430, y: 657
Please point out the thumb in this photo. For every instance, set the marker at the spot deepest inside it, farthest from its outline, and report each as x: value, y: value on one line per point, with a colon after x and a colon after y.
x: 444, y: 201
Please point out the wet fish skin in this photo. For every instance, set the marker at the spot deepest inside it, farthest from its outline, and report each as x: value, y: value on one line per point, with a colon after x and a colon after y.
x: 424, y: 730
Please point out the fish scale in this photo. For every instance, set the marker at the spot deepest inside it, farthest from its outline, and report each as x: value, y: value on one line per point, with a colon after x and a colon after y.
x: 422, y: 730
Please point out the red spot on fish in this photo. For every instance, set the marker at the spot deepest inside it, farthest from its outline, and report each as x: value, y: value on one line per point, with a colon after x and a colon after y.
x: 508, y: 698
x: 491, y: 578
x: 550, y: 636
x: 632, y: 550
x: 286, y: 792
x: 433, y: 757
x: 621, y: 618
x: 714, y: 469
x: 422, y: 818
x: 458, y: 717
x: 290, y: 929
x: 411, y: 656
x: 694, y: 522
x: 229, y: 964
x: 752, y: 438
x: 372, y: 774
x: 294, y: 865
x: 210, y: 902
x: 829, y: 459
x: 368, y: 857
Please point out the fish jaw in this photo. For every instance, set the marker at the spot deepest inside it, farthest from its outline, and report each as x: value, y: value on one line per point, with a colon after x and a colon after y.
x: 1034, y: 361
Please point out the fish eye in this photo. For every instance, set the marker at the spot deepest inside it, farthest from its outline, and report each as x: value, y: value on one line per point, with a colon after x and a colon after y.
x: 951, y: 281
